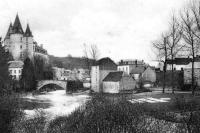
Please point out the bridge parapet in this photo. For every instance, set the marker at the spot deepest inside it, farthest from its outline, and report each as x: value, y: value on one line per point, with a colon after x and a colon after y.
x: 61, y: 83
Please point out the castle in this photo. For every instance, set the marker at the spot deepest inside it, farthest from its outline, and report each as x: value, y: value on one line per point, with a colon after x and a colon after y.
x: 21, y: 44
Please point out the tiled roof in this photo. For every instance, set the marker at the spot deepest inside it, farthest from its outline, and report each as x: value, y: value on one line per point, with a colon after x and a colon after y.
x: 137, y: 70
x: 113, y: 76
x: 15, y: 64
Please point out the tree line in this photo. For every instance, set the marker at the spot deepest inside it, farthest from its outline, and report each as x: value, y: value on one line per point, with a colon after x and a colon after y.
x: 181, y: 39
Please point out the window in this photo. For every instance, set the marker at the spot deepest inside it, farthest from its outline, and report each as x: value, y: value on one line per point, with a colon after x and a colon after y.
x: 21, y: 39
x: 10, y: 71
x: 14, y: 71
x: 20, y: 46
x: 19, y: 71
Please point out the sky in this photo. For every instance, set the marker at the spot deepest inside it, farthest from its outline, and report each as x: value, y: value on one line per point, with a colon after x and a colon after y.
x: 121, y: 29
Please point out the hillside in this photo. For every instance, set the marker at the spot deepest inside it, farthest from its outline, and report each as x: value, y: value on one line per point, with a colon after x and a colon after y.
x: 70, y: 62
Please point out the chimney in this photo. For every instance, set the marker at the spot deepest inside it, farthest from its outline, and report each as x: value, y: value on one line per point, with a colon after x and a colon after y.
x: 136, y: 63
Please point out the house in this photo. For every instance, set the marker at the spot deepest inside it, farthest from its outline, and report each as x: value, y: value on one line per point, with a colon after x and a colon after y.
x: 128, y: 65
x: 99, y: 71
x: 83, y: 74
x: 179, y: 63
x: 185, y: 64
x: 149, y: 75
x: 136, y: 73
x: 15, y: 69
x: 58, y: 73
x: 116, y: 82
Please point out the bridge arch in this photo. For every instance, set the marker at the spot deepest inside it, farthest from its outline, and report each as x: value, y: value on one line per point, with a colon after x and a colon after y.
x: 42, y: 83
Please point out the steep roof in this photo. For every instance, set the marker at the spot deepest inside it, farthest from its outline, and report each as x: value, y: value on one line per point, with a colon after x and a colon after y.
x: 15, y: 64
x: 113, y: 76
x: 9, y: 31
x: 28, y: 32
x: 17, y: 27
x: 106, y: 64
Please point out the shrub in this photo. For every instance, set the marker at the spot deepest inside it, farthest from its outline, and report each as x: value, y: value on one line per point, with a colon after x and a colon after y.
x: 100, y: 115
x: 30, y: 125
x: 9, y: 111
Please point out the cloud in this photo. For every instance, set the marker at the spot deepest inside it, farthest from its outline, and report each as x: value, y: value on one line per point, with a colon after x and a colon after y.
x: 120, y: 28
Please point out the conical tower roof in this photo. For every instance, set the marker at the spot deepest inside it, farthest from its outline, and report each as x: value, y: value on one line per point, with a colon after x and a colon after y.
x: 9, y: 31
x: 28, y: 32
x: 17, y: 27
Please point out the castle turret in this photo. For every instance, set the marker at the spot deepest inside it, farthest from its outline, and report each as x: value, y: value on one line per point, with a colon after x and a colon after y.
x: 17, y: 27
x: 28, y: 32
x: 28, y: 39
x: 16, y: 38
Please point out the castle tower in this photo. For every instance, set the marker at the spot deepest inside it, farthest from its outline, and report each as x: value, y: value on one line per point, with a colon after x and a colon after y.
x: 21, y: 44
x: 16, y: 47
x: 28, y: 39
x: 7, y: 37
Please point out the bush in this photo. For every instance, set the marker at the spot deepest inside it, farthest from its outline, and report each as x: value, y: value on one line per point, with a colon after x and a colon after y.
x: 101, y: 115
x: 30, y: 125
x: 9, y: 111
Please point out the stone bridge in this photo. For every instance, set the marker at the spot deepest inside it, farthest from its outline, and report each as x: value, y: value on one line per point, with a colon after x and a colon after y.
x: 60, y: 83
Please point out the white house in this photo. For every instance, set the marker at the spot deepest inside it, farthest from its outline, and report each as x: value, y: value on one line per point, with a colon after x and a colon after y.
x: 15, y: 69
x: 116, y: 82
x: 128, y: 65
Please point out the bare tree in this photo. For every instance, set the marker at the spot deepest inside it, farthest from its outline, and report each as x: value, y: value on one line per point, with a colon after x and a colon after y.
x: 173, y: 45
x: 162, y: 54
x: 85, y: 56
x: 191, y: 39
x: 94, y: 52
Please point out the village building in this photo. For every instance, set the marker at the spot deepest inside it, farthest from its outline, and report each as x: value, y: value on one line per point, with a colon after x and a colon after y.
x: 22, y: 44
x: 15, y: 69
x: 136, y: 73
x: 185, y: 65
x: 116, y: 82
x: 128, y: 65
x: 149, y: 75
x: 179, y: 63
x: 99, y: 71
x: 67, y: 74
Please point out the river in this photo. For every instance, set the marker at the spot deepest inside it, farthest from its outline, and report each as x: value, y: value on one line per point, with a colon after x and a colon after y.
x: 57, y: 103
